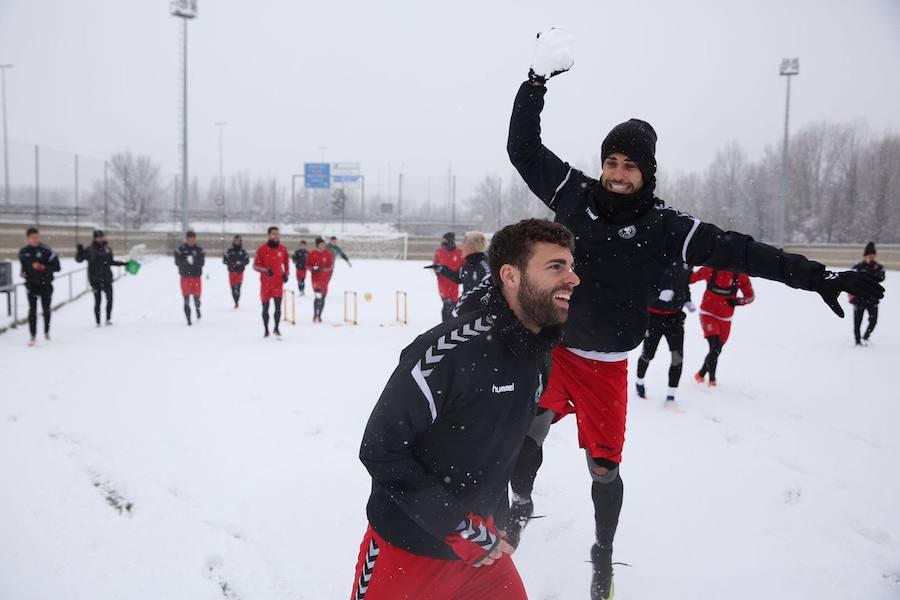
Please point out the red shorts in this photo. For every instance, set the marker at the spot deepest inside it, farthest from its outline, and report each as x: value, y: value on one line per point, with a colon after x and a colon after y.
x: 385, y: 572
x: 235, y: 278
x: 270, y: 287
x: 301, y: 275
x: 191, y: 286
x: 597, y: 393
x: 320, y: 282
x: 448, y: 289
x: 713, y: 326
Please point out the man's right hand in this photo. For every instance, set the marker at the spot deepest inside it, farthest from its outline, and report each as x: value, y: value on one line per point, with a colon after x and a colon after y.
x: 79, y: 247
x: 476, y: 541
x: 553, y: 54
x: 270, y: 272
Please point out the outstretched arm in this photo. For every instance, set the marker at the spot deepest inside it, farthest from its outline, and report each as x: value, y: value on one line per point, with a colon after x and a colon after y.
x: 705, y: 244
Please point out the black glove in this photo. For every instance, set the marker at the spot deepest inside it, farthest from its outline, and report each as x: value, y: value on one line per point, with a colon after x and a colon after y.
x: 269, y: 272
x: 435, y: 268
x: 863, y: 285
x: 284, y: 278
x: 79, y: 247
x: 732, y: 301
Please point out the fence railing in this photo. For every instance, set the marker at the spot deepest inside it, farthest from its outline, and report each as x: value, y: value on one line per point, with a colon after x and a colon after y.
x: 72, y: 289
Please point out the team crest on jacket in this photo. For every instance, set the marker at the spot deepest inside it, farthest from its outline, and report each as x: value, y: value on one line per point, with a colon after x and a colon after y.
x: 626, y: 233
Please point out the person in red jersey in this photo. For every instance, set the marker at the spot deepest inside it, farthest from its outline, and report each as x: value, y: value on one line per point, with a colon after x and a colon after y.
x: 273, y: 265
x: 716, y: 311
x: 321, y: 266
x: 450, y: 257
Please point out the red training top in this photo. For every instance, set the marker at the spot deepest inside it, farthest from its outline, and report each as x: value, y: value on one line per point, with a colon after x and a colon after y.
x: 720, y: 289
x: 271, y: 258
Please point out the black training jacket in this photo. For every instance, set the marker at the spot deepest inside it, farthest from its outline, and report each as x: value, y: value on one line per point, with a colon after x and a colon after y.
x: 190, y: 260
x: 445, y: 434
x: 877, y: 270
x: 620, y: 264
x: 300, y: 257
x: 676, y: 280
x: 43, y: 255
x: 236, y: 259
x: 100, y: 261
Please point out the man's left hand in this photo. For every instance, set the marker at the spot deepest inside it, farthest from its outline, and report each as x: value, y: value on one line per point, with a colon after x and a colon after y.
x: 863, y: 285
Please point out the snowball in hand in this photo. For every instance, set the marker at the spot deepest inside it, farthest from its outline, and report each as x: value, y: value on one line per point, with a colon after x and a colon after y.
x: 553, y: 53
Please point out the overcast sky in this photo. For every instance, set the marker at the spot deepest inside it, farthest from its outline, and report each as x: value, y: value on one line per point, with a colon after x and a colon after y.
x: 421, y: 85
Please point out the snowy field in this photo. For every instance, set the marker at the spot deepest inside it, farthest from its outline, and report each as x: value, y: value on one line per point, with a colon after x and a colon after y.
x: 152, y: 460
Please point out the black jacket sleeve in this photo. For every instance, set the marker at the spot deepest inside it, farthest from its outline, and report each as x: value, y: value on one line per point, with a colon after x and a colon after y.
x: 202, y: 258
x: 53, y: 262
x: 698, y: 243
x: 544, y: 172
x: 116, y: 263
x: 81, y: 254
x: 405, y: 411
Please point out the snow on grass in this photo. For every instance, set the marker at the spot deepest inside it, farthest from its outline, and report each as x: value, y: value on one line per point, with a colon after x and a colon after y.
x: 153, y: 460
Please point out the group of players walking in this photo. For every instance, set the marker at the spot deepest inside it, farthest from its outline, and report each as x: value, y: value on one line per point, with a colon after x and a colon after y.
x: 272, y: 262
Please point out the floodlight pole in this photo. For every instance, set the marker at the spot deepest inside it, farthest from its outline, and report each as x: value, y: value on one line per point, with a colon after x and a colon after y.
x: 184, y: 10
x: 789, y: 68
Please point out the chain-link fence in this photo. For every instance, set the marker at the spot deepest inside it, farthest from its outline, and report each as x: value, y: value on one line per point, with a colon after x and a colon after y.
x: 53, y: 186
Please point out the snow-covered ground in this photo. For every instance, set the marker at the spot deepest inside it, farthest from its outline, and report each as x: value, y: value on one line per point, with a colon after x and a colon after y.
x: 153, y: 460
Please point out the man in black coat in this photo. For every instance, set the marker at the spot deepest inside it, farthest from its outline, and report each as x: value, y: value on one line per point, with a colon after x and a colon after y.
x: 862, y: 305
x: 236, y: 260
x: 38, y: 264
x: 442, y: 440
x: 625, y: 239
x: 99, y: 257
x: 666, y: 319
x: 474, y: 274
x: 190, y: 258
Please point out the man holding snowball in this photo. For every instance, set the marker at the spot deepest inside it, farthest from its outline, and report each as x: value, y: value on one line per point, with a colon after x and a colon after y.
x: 625, y: 238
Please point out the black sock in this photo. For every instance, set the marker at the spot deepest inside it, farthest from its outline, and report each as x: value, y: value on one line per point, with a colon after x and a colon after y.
x: 187, y: 308
x: 607, y: 499
x: 277, y: 312
x: 265, y: 316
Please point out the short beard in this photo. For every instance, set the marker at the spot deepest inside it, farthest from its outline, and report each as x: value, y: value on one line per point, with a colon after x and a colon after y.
x: 537, y: 305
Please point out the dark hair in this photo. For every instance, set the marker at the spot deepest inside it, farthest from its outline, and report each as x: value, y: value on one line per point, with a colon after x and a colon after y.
x: 319, y: 241
x: 31, y: 230
x: 190, y: 234
x: 303, y: 242
x: 334, y: 237
x: 514, y: 244
x: 271, y: 229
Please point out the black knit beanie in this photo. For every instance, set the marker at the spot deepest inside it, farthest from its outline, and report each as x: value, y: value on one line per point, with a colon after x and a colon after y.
x: 635, y: 139
x: 870, y: 249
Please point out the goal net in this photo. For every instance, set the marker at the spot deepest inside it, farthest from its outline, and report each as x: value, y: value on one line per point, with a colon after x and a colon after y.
x: 394, y: 246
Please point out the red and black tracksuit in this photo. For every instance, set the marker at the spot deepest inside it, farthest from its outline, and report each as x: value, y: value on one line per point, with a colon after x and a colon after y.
x: 236, y: 260
x: 864, y: 305
x: 448, y: 257
x: 717, y: 308
x: 321, y: 266
x: 666, y: 319
x: 38, y: 264
x: 440, y: 446
x: 301, y: 255
x: 623, y: 244
x: 189, y: 260
x: 273, y: 265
